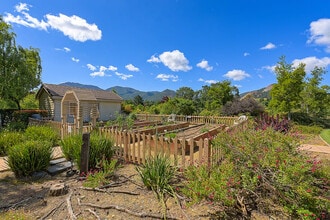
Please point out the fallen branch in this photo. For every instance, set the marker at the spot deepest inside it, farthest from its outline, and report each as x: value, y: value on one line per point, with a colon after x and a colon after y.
x: 11, y: 206
x: 94, y: 213
x: 111, y: 191
x: 68, y: 203
x: 51, y: 211
x: 122, y: 209
x: 115, y: 184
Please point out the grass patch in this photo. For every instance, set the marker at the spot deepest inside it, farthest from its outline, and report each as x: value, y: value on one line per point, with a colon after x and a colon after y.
x: 325, y: 134
x: 15, y: 215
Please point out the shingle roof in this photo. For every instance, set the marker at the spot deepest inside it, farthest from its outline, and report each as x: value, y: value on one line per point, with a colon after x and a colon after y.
x: 86, y: 94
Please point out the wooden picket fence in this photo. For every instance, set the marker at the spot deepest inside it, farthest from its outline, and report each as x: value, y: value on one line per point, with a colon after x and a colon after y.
x: 136, y: 147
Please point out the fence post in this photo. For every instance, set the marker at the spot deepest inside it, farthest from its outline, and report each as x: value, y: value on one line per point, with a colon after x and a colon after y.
x: 84, y: 155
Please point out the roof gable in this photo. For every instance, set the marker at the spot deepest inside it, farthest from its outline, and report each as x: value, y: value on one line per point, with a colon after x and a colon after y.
x: 87, y: 94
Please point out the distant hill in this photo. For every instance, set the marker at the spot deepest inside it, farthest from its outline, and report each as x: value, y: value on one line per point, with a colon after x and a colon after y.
x: 260, y: 93
x: 78, y: 85
x: 128, y: 93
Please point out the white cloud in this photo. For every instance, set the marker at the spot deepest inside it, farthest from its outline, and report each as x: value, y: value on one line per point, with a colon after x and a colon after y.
x: 204, y: 64
x: 174, y: 60
x: 320, y: 33
x: 103, y: 68
x: 269, y: 68
x: 312, y: 62
x: 269, y: 46
x: 75, y: 60
x: 66, y: 49
x: 167, y: 77
x: 153, y: 59
x: 91, y: 67
x: 132, y: 68
x: 98, y: 73
x: 22, y: 7
x: 123, y: 76
x: 74, y: 27
x: 112, y: 68
x: 236, y: 75
x: 246, y: 54
x: 209, y: 81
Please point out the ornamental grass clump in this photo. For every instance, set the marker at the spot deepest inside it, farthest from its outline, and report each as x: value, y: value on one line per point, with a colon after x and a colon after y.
x: 28, y: 157
x: 42, y: 133
x: 100, y: 147
x: 8, y: 139
x: 157, y: 174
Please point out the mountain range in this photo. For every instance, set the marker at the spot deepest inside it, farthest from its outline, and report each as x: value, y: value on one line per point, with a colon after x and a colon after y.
x: 128, y: 93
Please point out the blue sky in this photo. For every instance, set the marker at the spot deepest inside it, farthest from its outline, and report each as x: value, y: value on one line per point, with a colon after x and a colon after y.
x: 153, y: 45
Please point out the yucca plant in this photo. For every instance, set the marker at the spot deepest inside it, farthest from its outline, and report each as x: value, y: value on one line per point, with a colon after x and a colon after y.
x: 28, y: 157
x: 157, y: 174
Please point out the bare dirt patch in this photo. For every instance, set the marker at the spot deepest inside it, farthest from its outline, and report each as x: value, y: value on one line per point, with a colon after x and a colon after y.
x: 128, y: 199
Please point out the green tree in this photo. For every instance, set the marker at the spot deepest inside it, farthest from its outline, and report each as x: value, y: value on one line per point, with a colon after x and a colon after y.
x: 286, y: 93
x: 185, y: 92
x: 138, y: 100
x: 315, y: 98
x: 213, y: 97
x: 20, y: 68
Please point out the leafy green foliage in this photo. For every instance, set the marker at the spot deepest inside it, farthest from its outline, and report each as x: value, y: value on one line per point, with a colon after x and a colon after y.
x: 28, y: 157
x: 42, y: 133
x: 8, y: 139
x: 247, y: 105
x: 100, y: 177
x: 100, y: 147
x: 20, y: 68
x: 259, y: 170
x: 157, y: 175
x: 307, y: 129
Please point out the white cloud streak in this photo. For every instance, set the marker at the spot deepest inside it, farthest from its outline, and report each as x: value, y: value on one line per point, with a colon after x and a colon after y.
x: 102, y: 70
x: 75, y: 60
x: 74, y: 27
x: 269, y: 46
x: 204, y: 64
x: 132, y: 68
x: 167, y: 77
x: 123, y: 76
x: 236, y: 75
x: 174, y: 60
x: 320, y: 33
x: 209, y: 81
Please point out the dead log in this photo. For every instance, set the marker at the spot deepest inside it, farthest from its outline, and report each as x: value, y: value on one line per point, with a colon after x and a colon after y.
x: 58, y: 189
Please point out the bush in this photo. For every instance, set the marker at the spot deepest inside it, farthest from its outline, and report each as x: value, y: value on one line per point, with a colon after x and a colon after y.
x: 260, y: 170
x: 100, y: 147
x: 28, y: 157
x: 264, y: 121
x: 8, y: 139
x: 304, y: 129
x: 42, y: 133
x: 157, y: 175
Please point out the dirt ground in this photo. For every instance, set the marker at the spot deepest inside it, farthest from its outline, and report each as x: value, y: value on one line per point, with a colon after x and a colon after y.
x: 127, y: 198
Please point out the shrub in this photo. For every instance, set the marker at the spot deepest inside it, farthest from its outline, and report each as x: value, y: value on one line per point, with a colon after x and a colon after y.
x: 304, y: 129
x: 259, y: 170
x: 264, y: 121
x: 28, y: 157
x: 157, y: 175
x: 8, y: 139
x: 42, y: 133
x: 100, y: 147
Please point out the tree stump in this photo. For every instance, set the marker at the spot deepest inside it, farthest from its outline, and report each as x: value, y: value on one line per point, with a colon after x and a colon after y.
x: 58, y: 189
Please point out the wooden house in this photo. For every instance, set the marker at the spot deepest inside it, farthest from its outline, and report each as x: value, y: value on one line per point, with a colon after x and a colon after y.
x: 65, y: 103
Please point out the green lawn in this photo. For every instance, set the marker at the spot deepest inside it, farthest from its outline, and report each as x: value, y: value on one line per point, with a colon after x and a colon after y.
x: 325, y: 134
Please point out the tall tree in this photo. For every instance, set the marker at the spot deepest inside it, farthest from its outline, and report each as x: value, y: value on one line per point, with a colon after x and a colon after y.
x: 286, y: 93
x: 185, y: 93
x: 20, y: 68
x: 138, y: 100
x: 315, y: 98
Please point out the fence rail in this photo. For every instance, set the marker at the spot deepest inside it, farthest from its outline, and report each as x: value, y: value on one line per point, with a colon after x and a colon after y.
x: 136, y: 147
